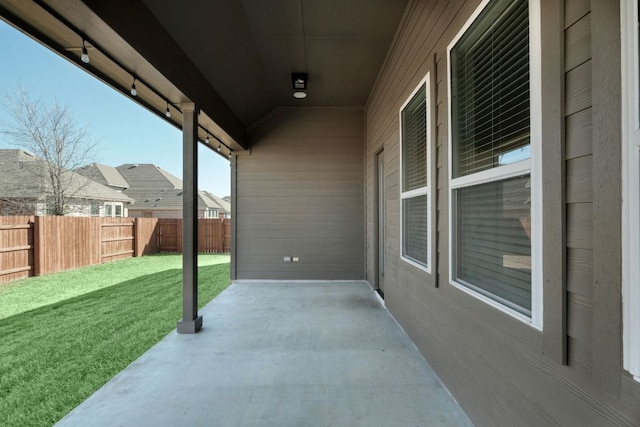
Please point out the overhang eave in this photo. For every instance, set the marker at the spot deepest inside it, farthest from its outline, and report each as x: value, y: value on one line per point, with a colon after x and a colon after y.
x: 115, y: 62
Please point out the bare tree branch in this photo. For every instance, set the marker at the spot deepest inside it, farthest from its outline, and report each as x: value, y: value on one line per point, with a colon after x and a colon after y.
x: 52, y: 134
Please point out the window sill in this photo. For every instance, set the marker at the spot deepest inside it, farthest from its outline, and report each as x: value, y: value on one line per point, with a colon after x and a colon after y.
x: 422, y: 267
x: 495, y: 304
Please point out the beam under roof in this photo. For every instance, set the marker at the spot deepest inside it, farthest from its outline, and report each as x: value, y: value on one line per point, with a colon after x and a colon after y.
x: 134, y: 23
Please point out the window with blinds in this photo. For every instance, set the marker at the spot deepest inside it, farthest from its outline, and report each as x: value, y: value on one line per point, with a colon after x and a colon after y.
x: 414, y: 218
x: 490, y: 89
x: 414, y: 142
x: 493, y: 241
x: 491, y: 151
x: 415, y: 190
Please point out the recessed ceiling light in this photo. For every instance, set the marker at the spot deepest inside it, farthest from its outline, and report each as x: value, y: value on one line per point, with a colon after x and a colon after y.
x: 300, y: 95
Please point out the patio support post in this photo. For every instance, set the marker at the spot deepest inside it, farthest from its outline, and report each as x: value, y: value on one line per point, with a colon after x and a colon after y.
x: 191, y: 322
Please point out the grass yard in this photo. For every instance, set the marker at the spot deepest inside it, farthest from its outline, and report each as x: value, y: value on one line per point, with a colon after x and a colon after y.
x: 65, y: 335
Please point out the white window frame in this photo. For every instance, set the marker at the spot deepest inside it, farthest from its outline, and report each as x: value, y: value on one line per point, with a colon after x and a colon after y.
x: 630, y: 187
x: 426, y: 190
x: 112, y: 207
x: 532, y: 166
x: 210, y: 213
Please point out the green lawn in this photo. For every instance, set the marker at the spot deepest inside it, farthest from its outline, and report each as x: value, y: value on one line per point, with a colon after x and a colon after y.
x: 64, y: 335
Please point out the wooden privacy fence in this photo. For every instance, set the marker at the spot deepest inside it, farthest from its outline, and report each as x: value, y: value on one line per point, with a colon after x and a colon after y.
x: 214, y: 235
x: 48, y: 244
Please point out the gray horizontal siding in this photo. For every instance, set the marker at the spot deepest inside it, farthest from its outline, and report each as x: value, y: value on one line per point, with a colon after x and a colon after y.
x: 579, y: 191
x: 494, y: 365
x: 300, y: 193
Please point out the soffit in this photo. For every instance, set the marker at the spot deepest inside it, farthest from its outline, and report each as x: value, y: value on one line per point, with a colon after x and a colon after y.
x: 233, y: 58
x: 60, y: 25
x: 248, y: 49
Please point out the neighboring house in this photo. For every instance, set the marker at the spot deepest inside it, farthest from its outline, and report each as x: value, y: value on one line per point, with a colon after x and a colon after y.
x: 24, y: 190
x: 218, y: 207
x: 476, y: 161
x: 156, y: 192
x: 105, y: 175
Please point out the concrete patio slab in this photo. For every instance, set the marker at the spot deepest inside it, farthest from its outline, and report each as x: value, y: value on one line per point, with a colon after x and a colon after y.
x: 279, y: 354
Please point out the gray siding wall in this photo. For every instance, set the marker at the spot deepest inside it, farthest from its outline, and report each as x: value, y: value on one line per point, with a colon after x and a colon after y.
x: 502, y: 371
x: 300, y: 193
x: 579, y: 175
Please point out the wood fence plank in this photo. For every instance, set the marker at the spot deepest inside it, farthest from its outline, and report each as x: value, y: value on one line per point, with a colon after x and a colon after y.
x: 16, y: 247
x: 15, y: 270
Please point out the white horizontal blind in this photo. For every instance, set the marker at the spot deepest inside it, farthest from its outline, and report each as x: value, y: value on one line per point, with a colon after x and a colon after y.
x: 414, y: 179
x: 490, y: 89
x: 414, y: 142
x: 414, y: 242
x: 493, y: 241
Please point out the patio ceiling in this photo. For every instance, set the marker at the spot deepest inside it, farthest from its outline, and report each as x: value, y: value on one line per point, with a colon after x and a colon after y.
x: 233, y: 58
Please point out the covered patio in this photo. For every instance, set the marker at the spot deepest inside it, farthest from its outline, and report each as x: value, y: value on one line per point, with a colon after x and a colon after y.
x: 278, y: 353
x: 341, y: 123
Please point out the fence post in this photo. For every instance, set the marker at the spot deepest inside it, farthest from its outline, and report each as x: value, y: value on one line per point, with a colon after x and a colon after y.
x: 227, y: 236
x: 37, y: 249
x: 99, y: 236
x: 136, y: 237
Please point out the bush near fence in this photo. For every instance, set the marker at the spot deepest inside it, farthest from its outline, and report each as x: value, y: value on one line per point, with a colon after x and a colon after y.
x: 47, y: 244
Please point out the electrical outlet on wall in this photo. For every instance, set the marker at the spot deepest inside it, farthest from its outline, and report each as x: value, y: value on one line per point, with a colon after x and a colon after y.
x: 287, y: 259
x: 295, y: 259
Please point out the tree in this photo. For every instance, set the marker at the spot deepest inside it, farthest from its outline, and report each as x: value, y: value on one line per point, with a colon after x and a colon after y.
x: 60, y: 144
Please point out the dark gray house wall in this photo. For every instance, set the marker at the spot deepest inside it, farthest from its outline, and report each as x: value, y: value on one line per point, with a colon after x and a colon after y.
x: 502, y: 371
x: 299, y: 193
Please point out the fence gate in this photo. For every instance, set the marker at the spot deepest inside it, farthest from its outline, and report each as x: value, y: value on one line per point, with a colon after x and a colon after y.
x: 210, y: 234
x: 169, y: 239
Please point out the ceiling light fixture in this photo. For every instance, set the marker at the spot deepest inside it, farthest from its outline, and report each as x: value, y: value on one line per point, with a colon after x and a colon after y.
x: 168, y: 113
x: 85, y: 55
x: 299, y: 83
x: 207, y: 140
x: 219, y: 147
x: 134, y: 92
